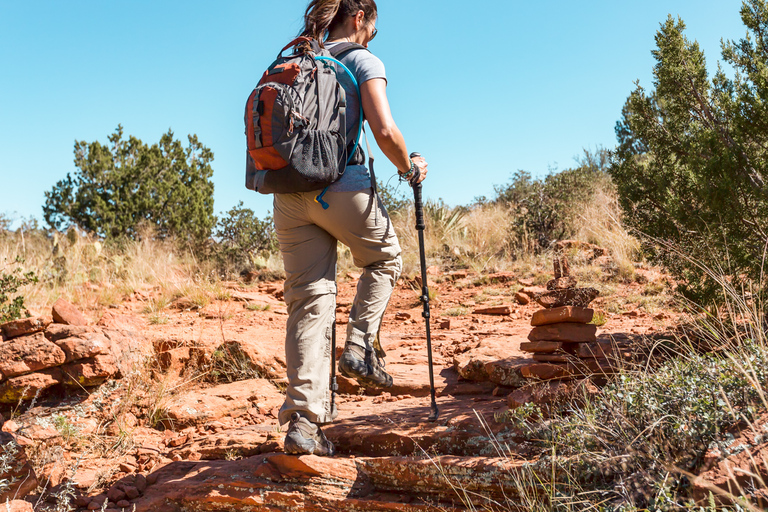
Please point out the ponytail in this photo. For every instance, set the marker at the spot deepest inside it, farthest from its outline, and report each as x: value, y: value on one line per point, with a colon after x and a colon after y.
x: 322, y: 16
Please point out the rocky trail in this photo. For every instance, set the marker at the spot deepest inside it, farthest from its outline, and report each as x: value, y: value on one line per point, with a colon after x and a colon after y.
x: 178, y: 436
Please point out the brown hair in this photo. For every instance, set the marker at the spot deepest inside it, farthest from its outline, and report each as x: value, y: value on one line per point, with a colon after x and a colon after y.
x: 322, y: 16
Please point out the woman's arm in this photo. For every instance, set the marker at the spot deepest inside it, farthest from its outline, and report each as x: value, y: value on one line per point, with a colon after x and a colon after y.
x: 385, y: 131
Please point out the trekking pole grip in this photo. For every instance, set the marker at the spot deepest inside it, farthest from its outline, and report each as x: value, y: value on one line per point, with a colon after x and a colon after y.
x: 418, y: 206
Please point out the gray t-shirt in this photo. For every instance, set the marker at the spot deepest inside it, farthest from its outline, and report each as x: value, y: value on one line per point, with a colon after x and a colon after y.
x: 364, y: 66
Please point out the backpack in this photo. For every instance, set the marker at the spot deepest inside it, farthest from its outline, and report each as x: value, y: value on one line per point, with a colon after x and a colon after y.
x: 295, y: 120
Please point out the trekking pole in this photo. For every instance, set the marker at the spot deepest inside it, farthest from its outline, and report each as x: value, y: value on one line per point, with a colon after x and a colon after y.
x: 424, y: 288
x: 334, y: 385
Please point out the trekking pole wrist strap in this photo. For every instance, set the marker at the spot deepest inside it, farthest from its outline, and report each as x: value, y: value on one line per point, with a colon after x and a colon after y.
x: 411, y: 174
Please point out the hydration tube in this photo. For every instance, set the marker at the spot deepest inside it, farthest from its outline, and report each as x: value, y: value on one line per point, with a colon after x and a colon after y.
x: 360, y: 101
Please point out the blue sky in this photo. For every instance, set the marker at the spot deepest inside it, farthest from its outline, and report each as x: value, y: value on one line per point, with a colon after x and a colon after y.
x: 480, y: 89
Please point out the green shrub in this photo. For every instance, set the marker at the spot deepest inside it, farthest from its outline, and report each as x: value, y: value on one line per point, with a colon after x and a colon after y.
x: 546, y: 210
x: 690, y: 165
x: 241, y: 238
x: 11, y: 280
x: 633, y: 442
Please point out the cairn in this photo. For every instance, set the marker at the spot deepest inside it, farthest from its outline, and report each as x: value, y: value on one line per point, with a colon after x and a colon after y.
x: 563, y: 339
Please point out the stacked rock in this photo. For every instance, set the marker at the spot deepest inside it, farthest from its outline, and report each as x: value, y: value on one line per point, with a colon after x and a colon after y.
x: 562, y: 339
x: 41, y: 352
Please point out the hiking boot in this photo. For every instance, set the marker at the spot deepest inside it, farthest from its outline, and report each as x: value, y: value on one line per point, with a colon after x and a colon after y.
x: 364, y: 366
x: 306, y: 438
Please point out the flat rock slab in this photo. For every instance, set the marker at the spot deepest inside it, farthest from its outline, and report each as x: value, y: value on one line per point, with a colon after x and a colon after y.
x: 573, y: 314
x: 547, y: 347
x: 198, y: 407
x: 280, y: 482
x: 580, y: 297
x: 29, y: 354
x: 235, y: 442
x: 413, y: 380
x: 401, y: 427
x: 66, y: 313
x: 494, y: 310
x: 566, y: 331
x: 25, y: 326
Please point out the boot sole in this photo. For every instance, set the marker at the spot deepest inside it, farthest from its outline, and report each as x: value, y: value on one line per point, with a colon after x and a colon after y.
x: 365, y: 381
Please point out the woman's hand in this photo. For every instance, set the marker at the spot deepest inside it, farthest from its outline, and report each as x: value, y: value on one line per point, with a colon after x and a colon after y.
x: 421, y: 164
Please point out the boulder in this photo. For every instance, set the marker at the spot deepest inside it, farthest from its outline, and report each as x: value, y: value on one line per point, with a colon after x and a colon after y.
x: 507, y: 372
x: 56, y: 332
x: 572, y: 297
x: 25, y: 326
x: 26, y: 387
x: 84, y: 346
x: 562, y: 314
x: 20, y: 474
x: 28, y: 354
x: 565, y: 331
x: 266, y: 358
x: 522, y: 298
x: 471, y: 364
x: 65, y: 313
x: 89, y: 372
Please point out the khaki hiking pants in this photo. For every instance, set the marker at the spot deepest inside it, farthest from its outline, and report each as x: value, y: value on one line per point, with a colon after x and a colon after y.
x: 308, y: 234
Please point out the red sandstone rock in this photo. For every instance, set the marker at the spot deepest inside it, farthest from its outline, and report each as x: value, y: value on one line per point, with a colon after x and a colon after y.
x: 501, y: 277
x: 562, y: 314
x: 445, y: 323
x: 26, y: 387
x: 65, y: 313
x: 737, y: 468
x: 561, y: 266
x: 203, y: 405
x: 174, y: 360
x: 566, y: 331
x: 545, y: 371
x: 562, y: 283
x: 268, y: 359
x: 56, y: 332
x: 89, y: 372
x: 471, y: 364
x: 28, y: 354
x: 555, y: 391
x: 552, y: 358
x: 545, y: 347
x: 17, y: 506
x: 21, y: 472
x: 507, y: 372
x: 522, y: 298
x: 25, y: 326
x: 83, y: 347
x: 494, y: 310
x: 572, y: 297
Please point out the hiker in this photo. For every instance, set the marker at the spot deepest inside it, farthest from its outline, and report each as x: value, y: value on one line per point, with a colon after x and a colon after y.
x: 308, y: 235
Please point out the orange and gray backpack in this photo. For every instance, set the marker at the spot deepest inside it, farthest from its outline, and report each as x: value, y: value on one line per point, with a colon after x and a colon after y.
x: 295, y: 120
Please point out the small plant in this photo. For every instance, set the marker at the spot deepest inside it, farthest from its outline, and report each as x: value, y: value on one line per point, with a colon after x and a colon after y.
x: 258, y: 307
x: 599, y: 319
x: 11, y: 280
x: 67, y: 430
x: 159, y: 319
x: 154, y: 306
x: 457, y: 311
x: 230, y: 364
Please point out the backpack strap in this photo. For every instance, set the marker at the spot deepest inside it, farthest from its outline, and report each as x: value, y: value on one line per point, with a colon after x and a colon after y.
x: 341, y: 49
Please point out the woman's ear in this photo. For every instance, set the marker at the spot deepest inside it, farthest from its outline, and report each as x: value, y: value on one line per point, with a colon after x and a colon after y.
x: 359, y: 19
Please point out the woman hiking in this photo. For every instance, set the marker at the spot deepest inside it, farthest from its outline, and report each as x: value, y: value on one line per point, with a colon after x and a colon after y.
x: 308, y: 234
